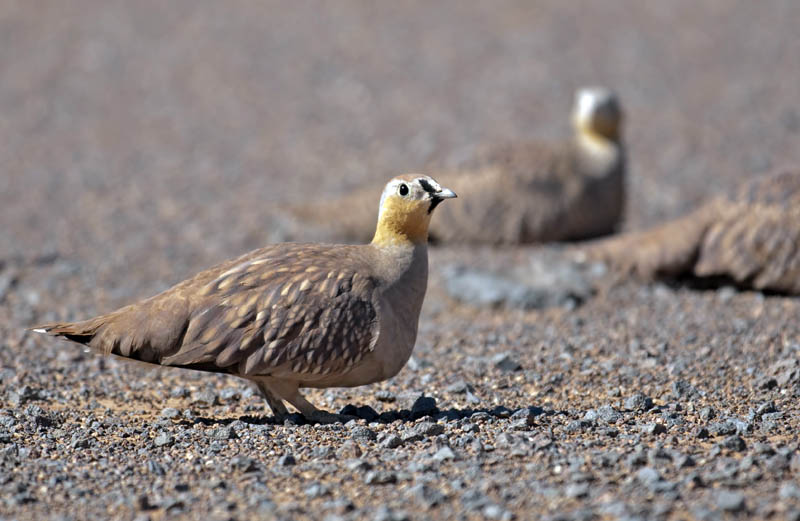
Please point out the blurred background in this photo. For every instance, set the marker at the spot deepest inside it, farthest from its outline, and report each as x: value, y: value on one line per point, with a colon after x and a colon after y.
x: 142, y: 141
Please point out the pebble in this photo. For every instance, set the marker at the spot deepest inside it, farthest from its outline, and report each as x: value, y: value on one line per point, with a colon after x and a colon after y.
x: 653, y: 428
x: 506, y: 363
x: 169, y: 412
x: 363, y: 434
x: 445, y: 453
x: 730, y: 501
x: 380, y: 477
x: 424, y: 406
x: 638, y: 402
x: 287, y: 460
x: 163, y: 439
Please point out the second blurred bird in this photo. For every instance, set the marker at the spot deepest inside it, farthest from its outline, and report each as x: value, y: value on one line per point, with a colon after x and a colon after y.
x: 514, y: 193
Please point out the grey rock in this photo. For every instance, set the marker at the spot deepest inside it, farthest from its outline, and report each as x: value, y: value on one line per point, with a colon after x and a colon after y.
x: 392, y: 442
x: 725, y: 428
x: 653, y: 428
x: 734, y: 443
x: 169, y: 413
x: 506, y: 363
x: 287, y: 460
x: 363, y: 434
x: 684, y: 390
x: 163, y: 439
x: 424, y: 406
x: 380, y: 477
x: 608, y: 414
x: 647, y: 475
x: 223, y: 433
x: 707, y: 413
x: 315, y: 490
x: 445, y: 453
x: 323, y: 452
x: 205, y: 397
x: 638, y: 402
x: 426, y: 495
x: 730, y: 501
x: 385, y: 396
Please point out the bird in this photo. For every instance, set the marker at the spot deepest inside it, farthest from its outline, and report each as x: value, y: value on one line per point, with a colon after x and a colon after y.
x: 291, y: 315
x: 749, y: 236
x: 514, y: 193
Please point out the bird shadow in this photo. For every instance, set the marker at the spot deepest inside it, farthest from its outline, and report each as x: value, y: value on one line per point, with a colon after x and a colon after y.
x: 367, y: 413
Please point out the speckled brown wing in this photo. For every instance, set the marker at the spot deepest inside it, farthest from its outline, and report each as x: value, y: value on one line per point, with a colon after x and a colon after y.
x: 520, y: 193
x: 752, y: 237
x: 666, y: 250
x: 293, y: 308
x: 756, y: 240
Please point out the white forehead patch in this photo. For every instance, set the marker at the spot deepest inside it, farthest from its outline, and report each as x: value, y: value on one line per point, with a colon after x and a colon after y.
x: 589, y: 100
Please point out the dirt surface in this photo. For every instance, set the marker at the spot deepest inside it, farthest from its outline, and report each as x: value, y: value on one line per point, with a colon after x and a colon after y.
x: 143, y: 141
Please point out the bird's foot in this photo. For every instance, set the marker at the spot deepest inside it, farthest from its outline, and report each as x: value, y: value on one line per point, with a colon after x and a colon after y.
x: 325, y: 417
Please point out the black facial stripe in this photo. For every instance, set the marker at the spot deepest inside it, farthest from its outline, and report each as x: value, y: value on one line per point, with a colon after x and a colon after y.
x: 434, y: 203
x: 426, y: 185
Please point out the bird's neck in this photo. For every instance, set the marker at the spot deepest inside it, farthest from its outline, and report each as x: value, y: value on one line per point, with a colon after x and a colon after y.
x: 402, y: 224
x: 600, y: 145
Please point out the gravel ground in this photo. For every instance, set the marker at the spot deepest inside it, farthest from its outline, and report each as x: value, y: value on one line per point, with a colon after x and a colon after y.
x: 141, y: 142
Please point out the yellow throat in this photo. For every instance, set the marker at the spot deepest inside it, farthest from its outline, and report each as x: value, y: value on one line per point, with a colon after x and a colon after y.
x: 402, y: 221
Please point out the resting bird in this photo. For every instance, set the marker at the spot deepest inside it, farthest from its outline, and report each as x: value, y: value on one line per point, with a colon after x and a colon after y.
x: 751, y: 237
x: 515, y: 193
x: 289, y: 316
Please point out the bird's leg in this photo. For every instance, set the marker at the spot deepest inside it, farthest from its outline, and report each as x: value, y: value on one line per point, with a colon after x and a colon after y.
x: 291, y: 394
x: 275, y: 403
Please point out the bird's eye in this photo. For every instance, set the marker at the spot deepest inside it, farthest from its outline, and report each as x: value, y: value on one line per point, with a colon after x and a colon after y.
x: 403, y: 190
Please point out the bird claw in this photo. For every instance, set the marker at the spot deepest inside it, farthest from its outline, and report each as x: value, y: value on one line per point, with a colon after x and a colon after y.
x: 325, y: 417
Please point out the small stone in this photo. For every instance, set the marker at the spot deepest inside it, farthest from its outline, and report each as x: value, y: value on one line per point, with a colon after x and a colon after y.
x: 323, y: 452
x: 391, y: 442
x: 380, y: 477
x: 287, y: 460
x: 730, y: 501
x: 789, y: 491
x: 429, y: 429
x: 734, y: 443
x: 701, y: 433
x: 363, y: 434
x: 169, y: 413
x: 162, y: 439
x: 725, y: 428
x: 349, y: 449
x: 385, y: 396
x: 426, y: 495
x: 647, y: 475
x: 459, y: 387
x: 638, y: 402
x: 206, y: 398
x: 223, y: 433
x: 424, y: 406
x: 577, y: 426
x: 315, y: 490
x: 577, y: 490
x: 684, y: 390
x: 229, y: 394
x: 608, y: 414
x: 707, y: 413
x: 506, y: 363
x: 445, y: 453
x: 653, y: 428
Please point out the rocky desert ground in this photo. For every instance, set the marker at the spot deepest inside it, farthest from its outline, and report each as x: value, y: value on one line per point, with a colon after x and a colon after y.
x: 143, y: 141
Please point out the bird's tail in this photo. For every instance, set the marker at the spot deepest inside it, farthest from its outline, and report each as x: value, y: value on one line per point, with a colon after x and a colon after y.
x: 80, y: 332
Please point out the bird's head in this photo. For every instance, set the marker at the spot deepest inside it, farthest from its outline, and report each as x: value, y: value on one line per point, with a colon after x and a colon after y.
x: 596, y: 112
x: 406, y: 206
